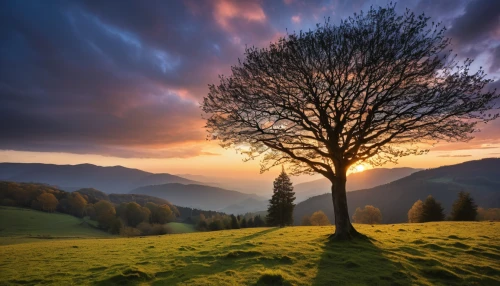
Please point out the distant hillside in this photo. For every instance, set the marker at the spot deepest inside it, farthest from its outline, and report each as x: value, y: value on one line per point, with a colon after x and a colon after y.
x: 481, y: 178
x: 181, y: 212
x: 194, y: 195
x: 250, y: 205
x: 356, y: 181
x: 72, y: 177
x: 27, y: 222
x: 94, y: 196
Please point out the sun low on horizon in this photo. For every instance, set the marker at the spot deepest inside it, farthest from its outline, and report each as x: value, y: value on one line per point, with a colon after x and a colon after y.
x: 360, y: 168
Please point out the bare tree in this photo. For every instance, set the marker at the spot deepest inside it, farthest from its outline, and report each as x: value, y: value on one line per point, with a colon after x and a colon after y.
x: 368, y: 90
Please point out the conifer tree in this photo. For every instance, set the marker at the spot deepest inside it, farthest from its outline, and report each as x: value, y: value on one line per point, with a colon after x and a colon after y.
x: 243, y: 223
x: 464, y: 208
x: 250, y: 222
x: 234, y: 222
x: 258, y: 221
x: 432, y: 210
x: 280, y: 211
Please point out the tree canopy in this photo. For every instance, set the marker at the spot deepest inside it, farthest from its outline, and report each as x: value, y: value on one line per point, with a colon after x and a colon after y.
x: 372, y: 89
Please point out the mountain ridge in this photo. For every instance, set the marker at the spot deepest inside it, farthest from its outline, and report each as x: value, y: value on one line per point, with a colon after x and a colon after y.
x: 195, y: 195
x: 394, y: 199
x: 115, y: 179
x: 355, y: 181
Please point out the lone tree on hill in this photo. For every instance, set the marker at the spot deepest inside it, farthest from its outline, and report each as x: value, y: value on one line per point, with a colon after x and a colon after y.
x: 280, y: 211
x: 366, y: 91
x: 464, y: 208
x: 431, y: 210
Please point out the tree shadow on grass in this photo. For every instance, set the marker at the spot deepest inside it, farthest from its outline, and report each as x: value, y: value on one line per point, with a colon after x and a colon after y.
x: 257, y: 234
x: 358, y: 262
x: 228, y: 261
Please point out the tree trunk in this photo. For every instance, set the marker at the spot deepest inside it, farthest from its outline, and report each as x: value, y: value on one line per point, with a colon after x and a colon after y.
x: 343, y: 227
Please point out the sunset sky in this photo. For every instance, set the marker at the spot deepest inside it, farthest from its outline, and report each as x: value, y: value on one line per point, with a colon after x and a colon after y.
x: 120, y: 82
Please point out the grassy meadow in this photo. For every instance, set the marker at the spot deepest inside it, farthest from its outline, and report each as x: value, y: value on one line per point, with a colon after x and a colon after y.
x: 18, y: 222
x: 444, y: 253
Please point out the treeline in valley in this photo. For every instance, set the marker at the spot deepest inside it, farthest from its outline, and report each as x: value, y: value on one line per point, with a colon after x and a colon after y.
x: 127, y: 218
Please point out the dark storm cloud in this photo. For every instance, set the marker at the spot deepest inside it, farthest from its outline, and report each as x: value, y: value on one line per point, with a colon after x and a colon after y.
x: 477, y: 31
x: 124, y: 78
x: 480, y: 21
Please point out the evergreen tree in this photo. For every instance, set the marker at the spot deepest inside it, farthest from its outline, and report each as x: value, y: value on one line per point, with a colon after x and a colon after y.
x: 234, y: 222
x: 258, y: 221
x: 464, y: 208
x: 432, y: 210
x: 250, y: 222
x: 243, y: 223
x: 281, y: 205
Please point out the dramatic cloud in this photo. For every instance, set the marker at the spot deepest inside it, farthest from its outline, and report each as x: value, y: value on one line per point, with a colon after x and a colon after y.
x: 125, y: 79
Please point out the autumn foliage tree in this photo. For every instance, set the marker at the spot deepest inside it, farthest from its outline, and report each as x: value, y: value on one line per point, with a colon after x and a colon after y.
x: 319, y: 218
x: 368, y: 214
x: 77, y: 204
x: 370, y: 90
x: 48, y: 202
x: 105, y: 213
x: 415, y: 213
x: 492, y: 214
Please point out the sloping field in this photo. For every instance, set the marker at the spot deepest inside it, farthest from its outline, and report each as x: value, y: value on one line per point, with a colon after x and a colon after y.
x: 177, y: 227
x: 20, y: 222
x: 446, y: 253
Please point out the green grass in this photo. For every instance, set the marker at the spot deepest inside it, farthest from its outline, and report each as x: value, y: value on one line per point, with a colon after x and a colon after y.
x: 447, y: 253
x: 17, y: 222
x: 178, y: 227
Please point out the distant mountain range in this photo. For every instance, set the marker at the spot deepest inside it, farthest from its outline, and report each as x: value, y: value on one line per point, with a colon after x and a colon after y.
x: 392, y: 190
x: 118, y: 179
x: 356, y: 181
x: 480, y: 178
x: 121, y: 180
x: 200, y: 196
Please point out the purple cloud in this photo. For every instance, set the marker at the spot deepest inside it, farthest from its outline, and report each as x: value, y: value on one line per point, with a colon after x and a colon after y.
x: 125, y: 78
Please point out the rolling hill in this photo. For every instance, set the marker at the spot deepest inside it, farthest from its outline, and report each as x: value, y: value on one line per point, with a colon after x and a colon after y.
x: 27, y: 222
x: 356, y: 181
x: 115, y: 179
x: 444, y: 253
x: 195, y: 196
x: 480, y: 178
